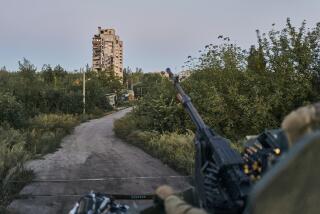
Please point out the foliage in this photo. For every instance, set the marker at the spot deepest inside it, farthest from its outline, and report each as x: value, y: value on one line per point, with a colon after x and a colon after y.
x: 173, y: 148
x: 12, y: 151
x: 11, y: 110
x: 241, y: 93
x: 43, y: 135
x: 37, y: 109
x: 46, y: 131
x: 53, y: 90
x: 53, y: 121
x: 125, y: 125
x: 12, y: 157
x: 157, y: 110
x: 238, y: 92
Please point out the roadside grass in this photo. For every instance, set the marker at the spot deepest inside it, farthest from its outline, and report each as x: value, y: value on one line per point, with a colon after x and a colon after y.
x: 46, y: 131
x: 41, y: 135
x: 9, y: 190
x: 174, y: 149
x: 13, y: 154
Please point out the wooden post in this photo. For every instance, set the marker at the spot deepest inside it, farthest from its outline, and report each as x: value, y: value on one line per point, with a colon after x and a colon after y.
x: 84, y: 91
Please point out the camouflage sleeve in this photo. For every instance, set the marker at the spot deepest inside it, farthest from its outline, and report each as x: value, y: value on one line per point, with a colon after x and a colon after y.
x: 175, y: 205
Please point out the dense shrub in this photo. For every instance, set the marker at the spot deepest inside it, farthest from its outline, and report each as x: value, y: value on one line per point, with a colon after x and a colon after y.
x: 11, y: 110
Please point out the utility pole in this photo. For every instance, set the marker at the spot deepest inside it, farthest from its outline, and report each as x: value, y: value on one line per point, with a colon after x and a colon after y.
x: 84, y: 90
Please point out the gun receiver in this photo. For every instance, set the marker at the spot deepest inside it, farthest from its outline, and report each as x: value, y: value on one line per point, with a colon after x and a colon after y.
x: 221, y: 184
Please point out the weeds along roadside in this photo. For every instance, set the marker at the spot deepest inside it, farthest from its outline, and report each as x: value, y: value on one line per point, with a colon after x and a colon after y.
x: 174, y: 149
x: 38, y: 107
x: 41, y: 135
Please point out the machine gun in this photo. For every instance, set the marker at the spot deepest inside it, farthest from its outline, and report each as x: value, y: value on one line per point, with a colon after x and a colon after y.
x: 220, y: 182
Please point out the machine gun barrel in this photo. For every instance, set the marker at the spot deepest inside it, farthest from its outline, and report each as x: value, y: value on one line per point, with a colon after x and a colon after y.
x: 186, y: 102
x: 220, y: 148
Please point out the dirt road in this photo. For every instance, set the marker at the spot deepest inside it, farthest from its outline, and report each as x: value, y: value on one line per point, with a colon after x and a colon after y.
x: 92, y: 151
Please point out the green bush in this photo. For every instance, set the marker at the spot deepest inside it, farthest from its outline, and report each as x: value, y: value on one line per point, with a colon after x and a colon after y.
x: 11, y: 110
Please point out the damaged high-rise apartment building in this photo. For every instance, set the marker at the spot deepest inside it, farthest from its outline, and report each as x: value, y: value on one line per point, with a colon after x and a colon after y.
x: 107, y: 52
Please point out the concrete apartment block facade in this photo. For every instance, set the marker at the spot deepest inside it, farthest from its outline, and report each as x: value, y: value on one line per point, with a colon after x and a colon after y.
x: 107, y: 51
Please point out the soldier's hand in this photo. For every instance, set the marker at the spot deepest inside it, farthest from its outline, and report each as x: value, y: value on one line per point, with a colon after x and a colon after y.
x: 164, y: 191
x: 301, y: 121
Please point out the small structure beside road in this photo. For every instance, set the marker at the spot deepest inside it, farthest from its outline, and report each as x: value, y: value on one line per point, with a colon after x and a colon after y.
x: 111, y: 98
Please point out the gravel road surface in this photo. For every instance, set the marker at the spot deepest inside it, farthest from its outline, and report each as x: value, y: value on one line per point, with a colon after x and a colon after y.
x: 92, y: 151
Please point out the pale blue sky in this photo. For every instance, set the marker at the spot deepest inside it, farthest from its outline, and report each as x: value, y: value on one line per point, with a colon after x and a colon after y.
x: 156, y: 33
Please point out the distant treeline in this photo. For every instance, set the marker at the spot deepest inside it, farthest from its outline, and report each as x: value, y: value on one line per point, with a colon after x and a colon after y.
x: 28, y: 92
